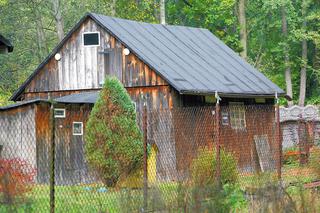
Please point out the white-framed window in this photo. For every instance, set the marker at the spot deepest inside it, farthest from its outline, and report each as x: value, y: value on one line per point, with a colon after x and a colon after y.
x: 59, y: 113
x: 237, y: 115
x: 77, y: 128
x: 91, y: 39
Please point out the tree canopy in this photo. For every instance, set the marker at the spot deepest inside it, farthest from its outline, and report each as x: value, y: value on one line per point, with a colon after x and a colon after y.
x: 279, y: 37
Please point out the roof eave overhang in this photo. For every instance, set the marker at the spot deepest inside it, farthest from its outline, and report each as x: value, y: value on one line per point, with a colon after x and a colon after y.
x: 234, y: 95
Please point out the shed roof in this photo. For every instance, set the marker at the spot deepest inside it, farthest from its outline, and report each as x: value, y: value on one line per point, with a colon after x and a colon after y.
x: 21, y: 103
x: 192, y: 60
x: 79, y: 98
x: 6, y: 42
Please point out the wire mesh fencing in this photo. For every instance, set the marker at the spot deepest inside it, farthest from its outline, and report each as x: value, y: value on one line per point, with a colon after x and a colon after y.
x: 195, y: 159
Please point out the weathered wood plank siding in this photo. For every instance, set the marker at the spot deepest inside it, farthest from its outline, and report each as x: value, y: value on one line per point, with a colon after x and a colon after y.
x: 85, y: 67
x: 158, y: 100
x: 17, y: 134
x: 70, y: 159
x: 259, y: 122
x: 193, y: 129
x: 43, y: 138
x: 70, y: 165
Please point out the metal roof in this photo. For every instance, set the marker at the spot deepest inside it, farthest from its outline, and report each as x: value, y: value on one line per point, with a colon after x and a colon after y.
x: 21, y: 103
x: 192, y: 60
x: 80, y: 98
x: 6, y: 42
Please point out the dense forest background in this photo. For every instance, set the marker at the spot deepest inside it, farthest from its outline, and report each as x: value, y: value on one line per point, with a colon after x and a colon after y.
x: 281, y: 38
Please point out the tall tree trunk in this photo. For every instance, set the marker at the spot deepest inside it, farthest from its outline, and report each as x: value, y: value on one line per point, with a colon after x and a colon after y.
x: 113, y: 7
x: 58, y: 18
x: 287, y: 71
x: 243, y: 27
x: 304, y: 58
x: 41, y: 38
x: 162, y: 12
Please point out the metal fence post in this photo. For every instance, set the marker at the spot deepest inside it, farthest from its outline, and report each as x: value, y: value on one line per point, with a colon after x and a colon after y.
x: 52, y: 159
x: 278, y: 137
x: 217, y: 139
x: 145, y: 158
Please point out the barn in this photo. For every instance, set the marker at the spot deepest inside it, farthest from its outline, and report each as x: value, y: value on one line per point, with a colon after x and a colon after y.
x: 178, y: 72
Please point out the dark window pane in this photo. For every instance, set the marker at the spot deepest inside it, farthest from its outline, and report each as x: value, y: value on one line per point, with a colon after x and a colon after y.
x: 91, y: 39
x: 59, y: 113
x: 77, y: 128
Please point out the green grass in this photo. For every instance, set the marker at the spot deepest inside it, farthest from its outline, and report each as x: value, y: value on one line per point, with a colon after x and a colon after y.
x: 73, y: 199
x: 87, y: 198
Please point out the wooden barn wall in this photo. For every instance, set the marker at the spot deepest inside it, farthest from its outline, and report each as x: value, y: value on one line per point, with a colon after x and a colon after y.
x: 70, y: 166
x: 85, y: 68
x: 70, y: 158
x: 17, y: 134
x: 158, y: 99
x: 43, y: 142
x: 194, y: 129
x: 259, y: 122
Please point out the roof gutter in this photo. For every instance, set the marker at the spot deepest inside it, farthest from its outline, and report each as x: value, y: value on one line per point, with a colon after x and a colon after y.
x: 235, y: 95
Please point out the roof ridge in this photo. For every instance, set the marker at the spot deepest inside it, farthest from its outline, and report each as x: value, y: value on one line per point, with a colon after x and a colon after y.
x: 143, y: 22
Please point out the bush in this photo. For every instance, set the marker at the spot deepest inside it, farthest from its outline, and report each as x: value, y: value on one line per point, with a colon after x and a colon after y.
x: 210, y: 198
x: 114, y: 145
x: 16, y: 179
x: 203, y: 167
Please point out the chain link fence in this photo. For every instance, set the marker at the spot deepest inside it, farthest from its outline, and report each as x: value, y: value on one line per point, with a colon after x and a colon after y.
x: 196, y: 159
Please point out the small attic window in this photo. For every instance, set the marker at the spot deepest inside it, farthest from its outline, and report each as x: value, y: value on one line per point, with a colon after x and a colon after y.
x: 59, y: 113
x: 91, y: 39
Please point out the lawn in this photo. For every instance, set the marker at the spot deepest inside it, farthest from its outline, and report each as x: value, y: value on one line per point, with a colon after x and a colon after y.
x: 92, y: 198
x: 97, y: 198
x: 72, y: 199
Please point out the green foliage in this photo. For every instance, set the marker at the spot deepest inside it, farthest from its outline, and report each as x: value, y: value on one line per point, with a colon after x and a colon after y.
x: 210, y: 198
x: 203, y: 167
x: 113, y: 140
x: 216, y: 15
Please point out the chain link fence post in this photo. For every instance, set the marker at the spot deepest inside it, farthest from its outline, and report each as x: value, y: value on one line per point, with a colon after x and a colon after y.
x: 217, y: 139
x: 278, y: 137
x: 52, y: 159
x: 145, y: 158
